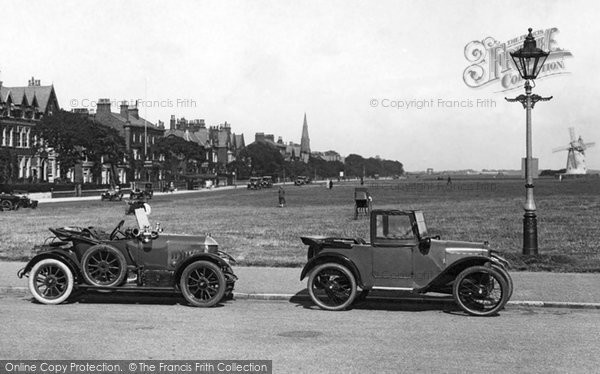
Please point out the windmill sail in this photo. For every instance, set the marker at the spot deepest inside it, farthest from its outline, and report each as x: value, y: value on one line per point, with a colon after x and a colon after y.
x: 576, y: 154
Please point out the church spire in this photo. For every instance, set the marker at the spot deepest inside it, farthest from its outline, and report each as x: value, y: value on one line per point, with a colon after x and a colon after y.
x: 305, y: 142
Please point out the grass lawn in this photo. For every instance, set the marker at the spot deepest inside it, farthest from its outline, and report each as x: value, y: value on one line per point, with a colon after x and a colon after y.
x: 250, y: 226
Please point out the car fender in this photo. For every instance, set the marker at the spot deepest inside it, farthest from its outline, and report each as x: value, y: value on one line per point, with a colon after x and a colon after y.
x: 201, y: 256
x: 70, y: 259
x: 332, y: 257
x: 452, y: 271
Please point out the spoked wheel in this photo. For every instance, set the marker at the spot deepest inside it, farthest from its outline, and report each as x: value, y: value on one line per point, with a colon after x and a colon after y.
x: 6, y: 205
x: 103, y: 266
x: 332, y: 286
x: 51, y: 281
x: 480, y: 291
x: 202, y: 284
x: 508, y: 280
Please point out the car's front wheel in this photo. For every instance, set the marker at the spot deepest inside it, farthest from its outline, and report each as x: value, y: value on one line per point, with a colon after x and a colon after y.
x: 480, y: 291
x: 6, y: 205
x: 332, y: 286
x: 51, y: 281
x: 202, y: 284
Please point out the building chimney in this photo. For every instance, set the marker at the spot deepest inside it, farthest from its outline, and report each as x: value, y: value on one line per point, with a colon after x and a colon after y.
x: 134, y: 111
x: 172, y: 122
x: 124, y: 110
x: 103, y: 106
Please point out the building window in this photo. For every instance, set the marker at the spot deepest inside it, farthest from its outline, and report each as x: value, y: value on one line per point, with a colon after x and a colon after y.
x: 18, y: 136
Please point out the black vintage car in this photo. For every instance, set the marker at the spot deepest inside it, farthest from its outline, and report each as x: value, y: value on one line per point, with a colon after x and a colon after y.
x: 255, y: 183
x: 267, y: 182
x: 113, y: 194
x: 16, y: 200
x: 302, y: 180
x: 402, y: 257
x: 133, y: 259
x: 141, y: 190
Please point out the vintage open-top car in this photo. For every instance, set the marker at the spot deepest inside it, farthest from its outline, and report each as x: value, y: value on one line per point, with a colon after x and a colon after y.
x: 16, y: 200
x: 301, y: 180
x: 403, y: 257
x: 267, y: 182
x: 135, y: 259
x: 112, y: 194
x: 141, y: 190
x: 254, y: 183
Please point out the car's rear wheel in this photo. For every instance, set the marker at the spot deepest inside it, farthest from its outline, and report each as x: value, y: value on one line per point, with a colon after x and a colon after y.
x: 480, y: 291
x: 6, y: 205
x: 332, y: 286
x: 202, y: 284
x: 103, y: 266
x: 51, y: 281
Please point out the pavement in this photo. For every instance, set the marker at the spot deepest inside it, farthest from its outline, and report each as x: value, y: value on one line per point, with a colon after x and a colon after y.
x: 534, y: 289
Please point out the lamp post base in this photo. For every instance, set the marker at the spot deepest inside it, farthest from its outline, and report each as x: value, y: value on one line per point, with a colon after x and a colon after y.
x: 530, y: 242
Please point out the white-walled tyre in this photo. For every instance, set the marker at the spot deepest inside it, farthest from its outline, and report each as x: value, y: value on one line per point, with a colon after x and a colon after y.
x: 51, y: 281
x: 332, y: 286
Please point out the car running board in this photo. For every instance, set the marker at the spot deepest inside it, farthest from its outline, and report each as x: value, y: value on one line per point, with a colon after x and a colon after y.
x: 394, y: 288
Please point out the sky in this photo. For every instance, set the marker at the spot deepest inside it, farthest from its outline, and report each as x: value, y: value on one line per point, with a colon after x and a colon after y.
x: 353, y: 67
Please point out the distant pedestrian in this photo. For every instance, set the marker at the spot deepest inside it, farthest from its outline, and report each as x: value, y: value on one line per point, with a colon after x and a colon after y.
x: 362, y: 181
x: 449, y: 181
x: 281, y: 194
x: 330, y: 184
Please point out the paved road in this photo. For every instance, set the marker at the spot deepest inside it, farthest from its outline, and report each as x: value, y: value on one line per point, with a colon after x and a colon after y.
x: 374, y: 338
x: 553, y: 288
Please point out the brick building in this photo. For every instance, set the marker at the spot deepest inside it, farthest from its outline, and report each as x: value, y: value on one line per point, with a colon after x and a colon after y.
x: 21, y: 108
x: 139, y: 134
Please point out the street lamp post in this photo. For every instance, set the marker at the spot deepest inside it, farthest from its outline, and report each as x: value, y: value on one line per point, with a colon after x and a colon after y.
x: 529, y: 61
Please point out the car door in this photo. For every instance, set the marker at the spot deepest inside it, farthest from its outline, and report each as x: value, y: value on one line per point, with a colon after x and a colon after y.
x: 394, y: 243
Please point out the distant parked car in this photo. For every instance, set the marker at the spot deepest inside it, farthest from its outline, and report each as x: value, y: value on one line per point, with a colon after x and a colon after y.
x: 401, y: 256
x: 301, y: 180
x: 16, y: 200
x: 255, y: 183
x: 113, y: 194
x: 141, y: 190
x: 267, y: 182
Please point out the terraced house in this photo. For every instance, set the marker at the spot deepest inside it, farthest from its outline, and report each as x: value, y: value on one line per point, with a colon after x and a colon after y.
x: 21, y: 108
x: 139, y: 134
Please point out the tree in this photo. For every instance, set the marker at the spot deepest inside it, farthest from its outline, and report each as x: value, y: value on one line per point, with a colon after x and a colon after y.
x: 76, y: 137
x: 8, y: 166
x: 262, y: 159
x: 181, y: 156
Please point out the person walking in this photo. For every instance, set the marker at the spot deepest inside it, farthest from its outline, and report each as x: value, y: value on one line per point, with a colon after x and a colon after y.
x: 281, y: 195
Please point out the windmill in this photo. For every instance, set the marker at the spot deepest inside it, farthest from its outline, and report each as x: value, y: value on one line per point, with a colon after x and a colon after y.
x: 576, y: 155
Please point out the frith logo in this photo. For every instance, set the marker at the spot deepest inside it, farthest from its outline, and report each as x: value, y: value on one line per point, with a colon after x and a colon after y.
x: 491, y: 63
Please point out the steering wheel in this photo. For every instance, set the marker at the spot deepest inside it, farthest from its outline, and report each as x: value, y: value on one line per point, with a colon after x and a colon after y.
x: 117, y: 230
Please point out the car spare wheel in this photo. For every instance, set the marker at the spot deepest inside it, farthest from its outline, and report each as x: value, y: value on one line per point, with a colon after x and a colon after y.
x: 103, y: 265
x: 202, y: 283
